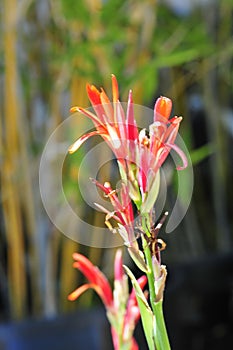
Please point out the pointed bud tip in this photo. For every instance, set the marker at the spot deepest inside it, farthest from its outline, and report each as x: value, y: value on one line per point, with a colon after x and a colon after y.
x: 70, y: 150
x: 163, y: 107
x: 74, y: 109
x: 115, y: 92
x: 70, y: 298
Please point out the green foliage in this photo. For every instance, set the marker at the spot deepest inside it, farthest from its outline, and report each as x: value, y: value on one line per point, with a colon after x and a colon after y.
x: 201, y: 153
x: 145, y: 310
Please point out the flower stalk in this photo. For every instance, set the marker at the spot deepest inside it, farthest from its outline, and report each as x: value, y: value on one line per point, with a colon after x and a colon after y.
x: 121, y: 306
x: 155, y: 273
x: 140, y: 155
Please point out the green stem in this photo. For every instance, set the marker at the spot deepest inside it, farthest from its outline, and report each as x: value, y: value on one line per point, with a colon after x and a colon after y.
x: 160, y: 333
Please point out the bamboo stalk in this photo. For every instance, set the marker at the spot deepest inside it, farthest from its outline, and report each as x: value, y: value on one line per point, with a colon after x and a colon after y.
x: 217, y: 162
x: 68, y: 275
x: 11, y: 200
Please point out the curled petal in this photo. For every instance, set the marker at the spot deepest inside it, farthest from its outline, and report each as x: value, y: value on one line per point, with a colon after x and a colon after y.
x: 181, y: 154
x: 96, y: 120
x: 73, y: 148
x: 76, y: 294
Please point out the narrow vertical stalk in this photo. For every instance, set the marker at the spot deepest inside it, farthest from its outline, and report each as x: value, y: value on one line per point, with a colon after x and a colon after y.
x: 160, y: 333
x: 10, y: 168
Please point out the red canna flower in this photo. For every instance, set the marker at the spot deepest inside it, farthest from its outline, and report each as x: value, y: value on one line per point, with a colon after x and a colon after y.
x: 139, y: 156
x: 155, y: 148
x: 122, y: 309
x: 110, y: 120
x: 97, y: 280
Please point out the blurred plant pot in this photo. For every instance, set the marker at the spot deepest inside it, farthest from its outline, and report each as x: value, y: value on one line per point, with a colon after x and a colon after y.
x: 86, y: 329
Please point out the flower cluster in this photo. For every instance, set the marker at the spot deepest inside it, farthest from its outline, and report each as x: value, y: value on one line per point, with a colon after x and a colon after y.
x: 140, y: 155
x: 122, y: 308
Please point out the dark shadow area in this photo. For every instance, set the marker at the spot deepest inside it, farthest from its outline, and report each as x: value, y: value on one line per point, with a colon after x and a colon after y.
x: 199, y: 303
x: 81, y: 330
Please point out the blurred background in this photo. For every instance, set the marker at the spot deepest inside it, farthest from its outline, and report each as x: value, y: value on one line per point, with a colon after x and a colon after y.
x: 49, y: 51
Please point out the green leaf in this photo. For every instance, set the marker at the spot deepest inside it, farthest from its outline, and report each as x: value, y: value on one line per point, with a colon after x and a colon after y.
x: 147, y: 316
x: 138, y: 257
x: 152, y: 195
x: 201, y: 153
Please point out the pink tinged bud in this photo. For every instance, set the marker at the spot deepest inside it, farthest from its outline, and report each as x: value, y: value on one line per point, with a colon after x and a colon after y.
x: 162, y: 109
x: 118, y: 266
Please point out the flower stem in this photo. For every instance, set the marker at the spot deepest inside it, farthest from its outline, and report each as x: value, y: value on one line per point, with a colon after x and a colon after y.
x: 160, y: 333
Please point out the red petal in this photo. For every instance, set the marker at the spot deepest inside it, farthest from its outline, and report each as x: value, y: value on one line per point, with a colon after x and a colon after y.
x: 115, y: 92
x: 95, y: 276
x: 97, y: 121
x: 93, y: 94
x: 131, y: 123
x: 76, y: 294
x: 107, y: 106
